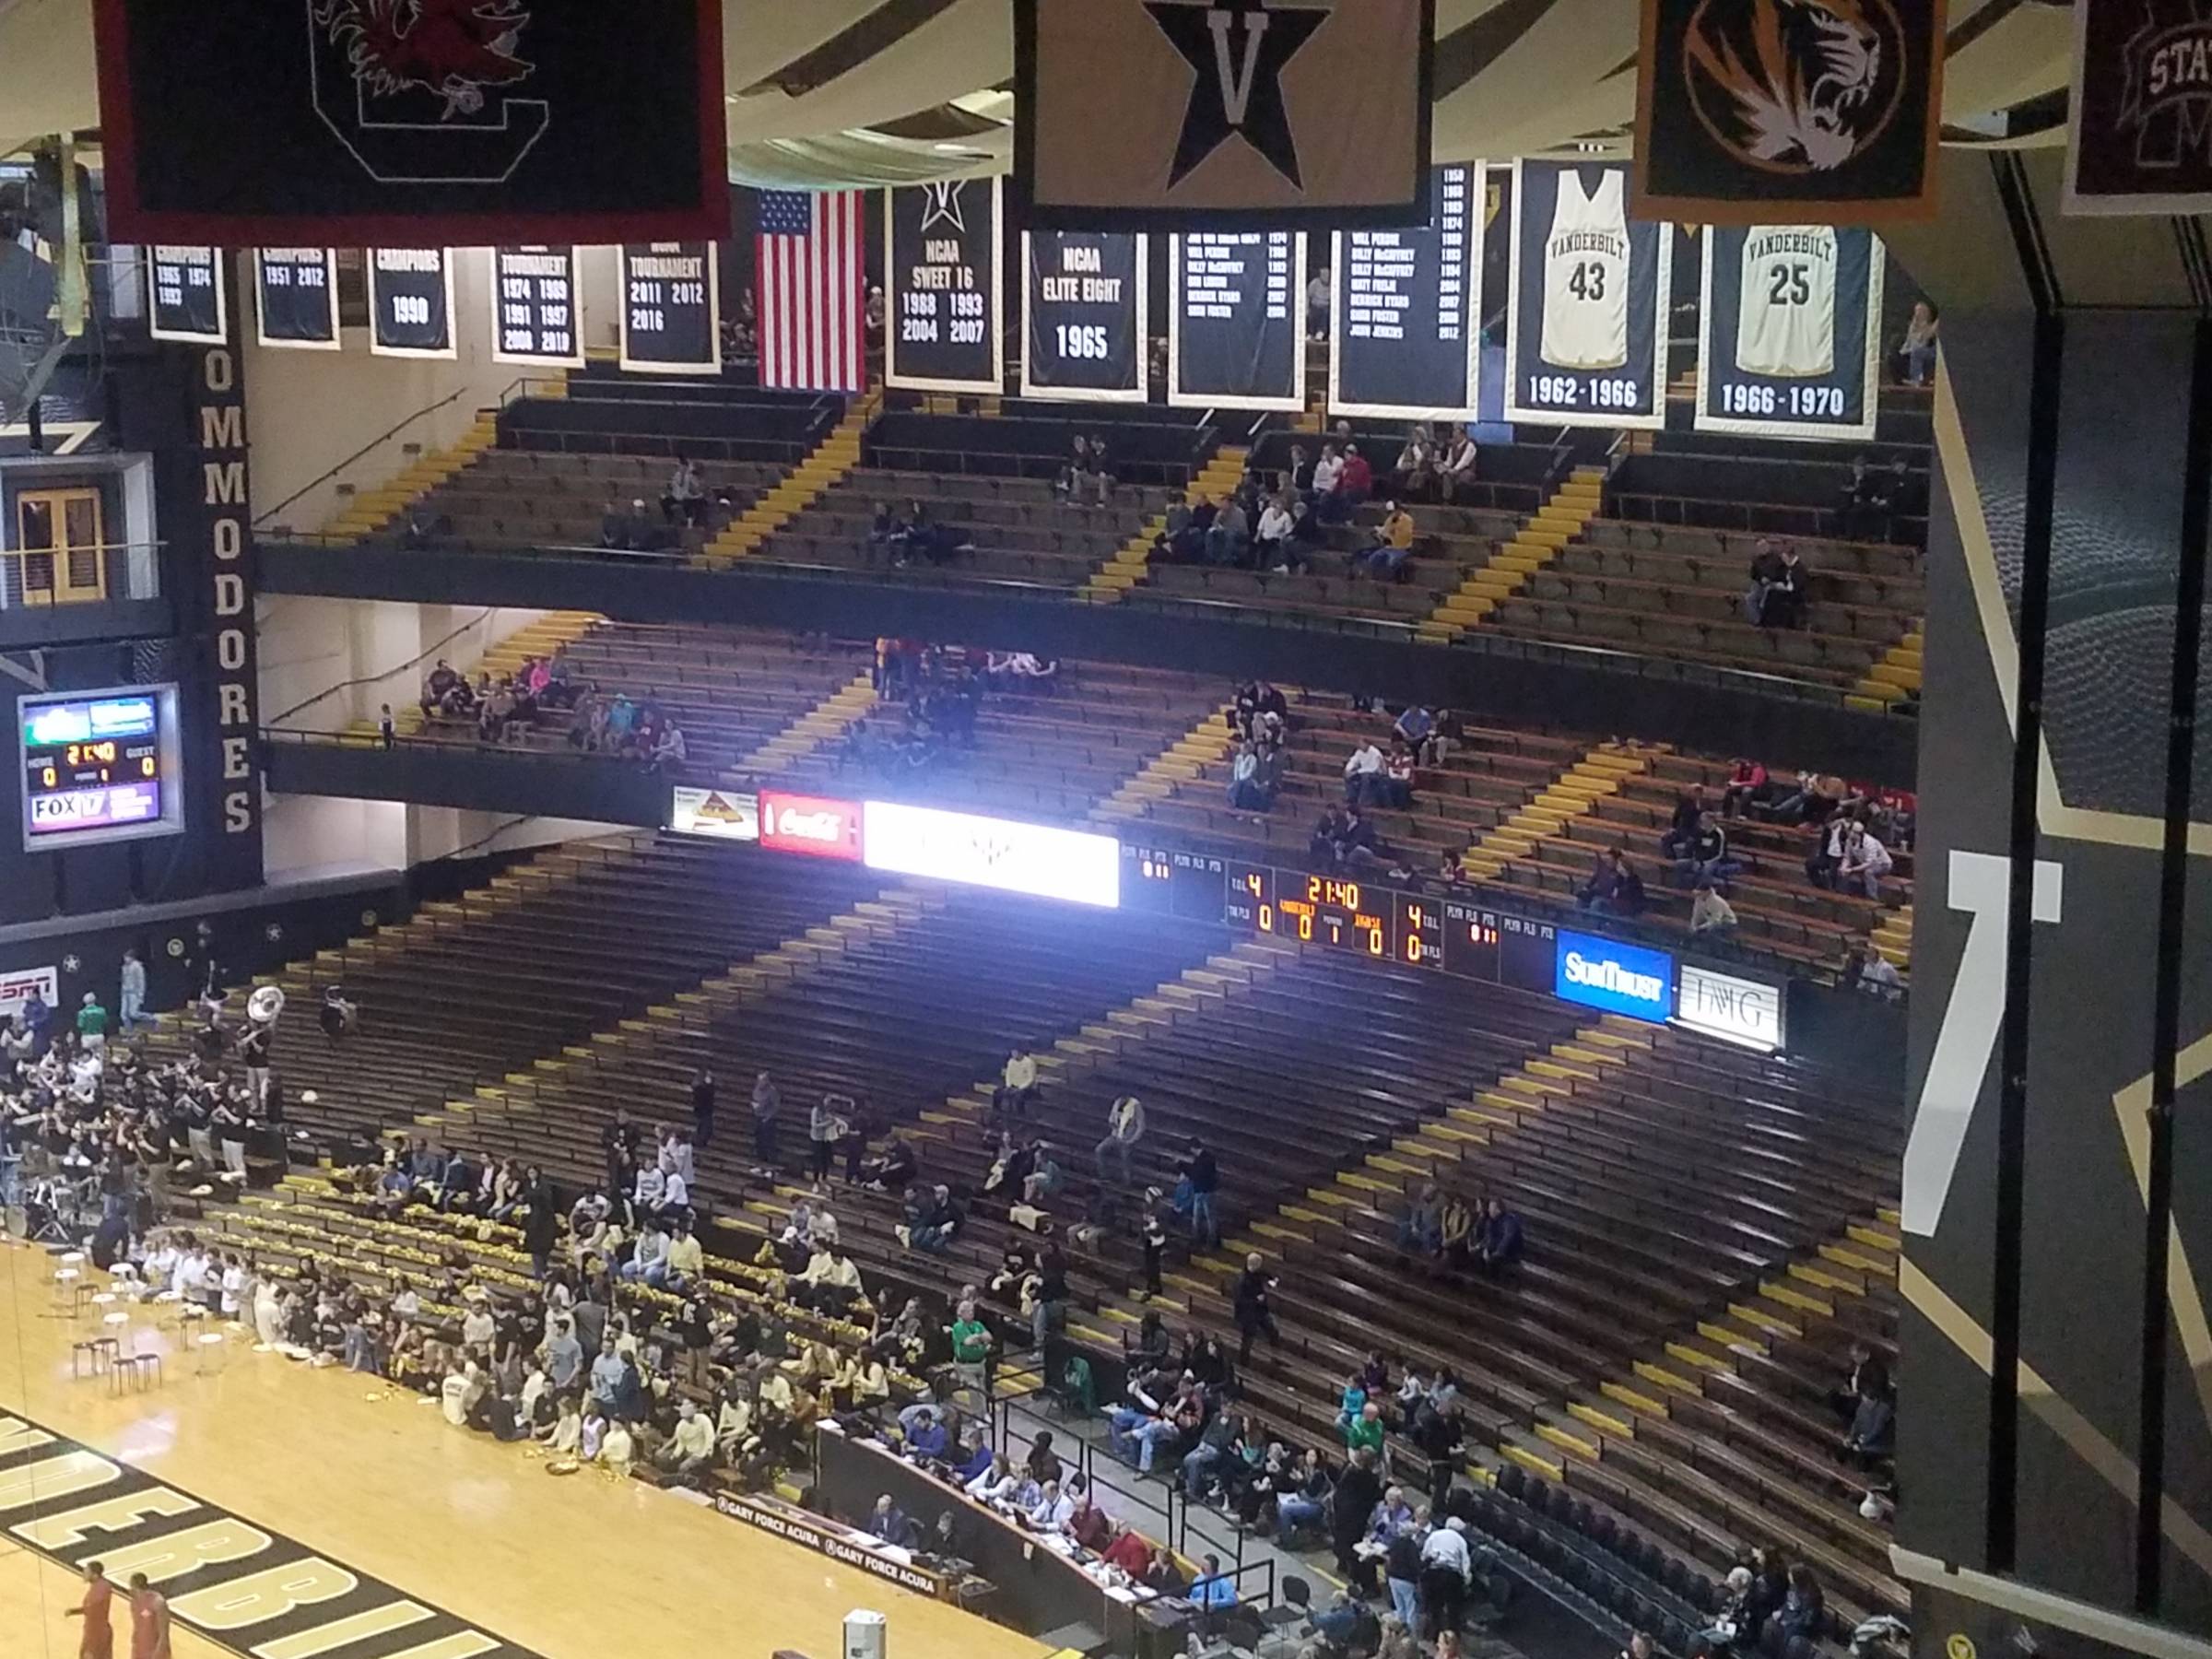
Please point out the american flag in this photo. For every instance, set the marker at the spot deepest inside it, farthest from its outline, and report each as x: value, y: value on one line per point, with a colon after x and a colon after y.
x: 811, y: 279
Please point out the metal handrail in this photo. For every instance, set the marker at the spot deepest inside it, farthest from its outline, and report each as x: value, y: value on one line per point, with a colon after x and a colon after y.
x: 13, y: 595
x: 381, y: 439
x: 370, y: 679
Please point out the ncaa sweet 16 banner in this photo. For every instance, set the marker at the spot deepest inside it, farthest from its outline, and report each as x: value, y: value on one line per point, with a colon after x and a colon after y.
x: 1221, y: 114
x: 1791, y: 331
x: 462, y: 123
x: 1822, y: 110
x: 2139, y: 124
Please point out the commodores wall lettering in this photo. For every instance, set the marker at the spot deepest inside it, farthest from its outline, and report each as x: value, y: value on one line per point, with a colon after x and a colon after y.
x: 222, y: 443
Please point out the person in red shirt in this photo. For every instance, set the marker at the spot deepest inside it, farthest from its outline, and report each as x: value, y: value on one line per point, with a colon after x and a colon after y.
x: 1747, y: 784
x: 149, y: 1620
x: 1128, y: 1550
x: 98, y: 1640
x: 1356, y: 482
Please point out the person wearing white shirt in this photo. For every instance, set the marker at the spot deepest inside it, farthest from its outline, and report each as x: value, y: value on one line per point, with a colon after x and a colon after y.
x: 1866, y: 861
x: 1446, y: 1571
x: 646, y: 1195
x: 1274, y: 530
x: 568, y: 1430
x: 993, y: 1485
x: 617, y: 1450
x: 1018, y: 1083
x: 160, y: 1266
x: 1362, y: 775
x: 689, y: 1446
x: 687, y: 1261
x: 831, y: 1282
x: 1124, y: 1128
x: 649, y: 1261
x: 675, y: 1194
x: 1457, y: 468
x: 1327, y: 471
x: 477, y: 1326
x: 1053, y: 1508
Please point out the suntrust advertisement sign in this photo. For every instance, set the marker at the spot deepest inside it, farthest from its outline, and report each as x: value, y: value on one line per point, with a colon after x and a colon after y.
x: 814, y: 825
x: 1618, y: 979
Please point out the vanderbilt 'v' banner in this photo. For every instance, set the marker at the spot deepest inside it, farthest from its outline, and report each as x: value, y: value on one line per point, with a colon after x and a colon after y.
x: 1822, y: 112
x: 1219, y: 114
x: 455, y: 121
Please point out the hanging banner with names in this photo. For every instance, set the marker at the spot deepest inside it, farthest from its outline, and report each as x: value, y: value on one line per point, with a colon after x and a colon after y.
x: 185, y: 289
x: 1236, y: 320
x: 1585, y: 335
x: 1405, y: 310
x: 671, y: 308
x: 1221, y: 114
x: 411, y: 302
x: 296, y: 298
x: 536, y: 307
x: 457, y: 123
x: 1791, y: 332
x: 1086, y: 304
x: 2139, y: 123
x: 1825, y: 111
x: 945, y: 272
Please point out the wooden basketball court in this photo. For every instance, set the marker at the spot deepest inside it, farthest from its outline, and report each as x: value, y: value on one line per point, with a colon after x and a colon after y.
x: 585, y: 1566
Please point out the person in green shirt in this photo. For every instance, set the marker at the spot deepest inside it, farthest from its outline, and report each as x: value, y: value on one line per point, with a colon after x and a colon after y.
x: 1366, y: 1430
x: 92, y: 1022
x: 972, y: 1347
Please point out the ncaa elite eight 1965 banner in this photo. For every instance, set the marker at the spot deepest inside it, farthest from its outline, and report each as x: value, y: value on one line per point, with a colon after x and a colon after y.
x: 1210, y: 115
x: 1819, y: 112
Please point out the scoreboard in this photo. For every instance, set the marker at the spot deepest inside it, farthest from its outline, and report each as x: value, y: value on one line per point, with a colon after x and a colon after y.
x: 99, y: 766
x: 1456, y: 936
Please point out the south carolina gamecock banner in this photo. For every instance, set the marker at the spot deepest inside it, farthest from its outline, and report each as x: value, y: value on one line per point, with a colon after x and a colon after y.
x: 1815, y: 111
x: 460, y: 123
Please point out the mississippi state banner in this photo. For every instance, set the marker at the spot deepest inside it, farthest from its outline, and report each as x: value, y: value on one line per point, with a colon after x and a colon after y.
x: 1791, y: 342
x: 1585, y: 334
x: 944, y: 266
x: 1825, y: 111
x: 460, y: 123
x: 1221, y: 114
x: 2139, y: 126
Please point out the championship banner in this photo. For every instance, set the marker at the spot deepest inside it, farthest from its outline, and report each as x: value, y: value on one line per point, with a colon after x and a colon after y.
x: 466, y: 122
x: 671, y: 309
x: 1790, y: 343
x: 1405, y: 312
x: 185, y: 290
x: 1825, y: 111
x: 946, y: 270
x: 536, y: 306
x: 296, y: 298
x: 1219, y: 114
x: 2139, y: 123
x: 1236, y: 320
x: 1086, y: 304
x: 1585, y: 319
x: 411, y: 302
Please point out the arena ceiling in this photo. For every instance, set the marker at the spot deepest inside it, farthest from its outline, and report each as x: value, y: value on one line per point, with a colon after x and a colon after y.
x: 830, y: 92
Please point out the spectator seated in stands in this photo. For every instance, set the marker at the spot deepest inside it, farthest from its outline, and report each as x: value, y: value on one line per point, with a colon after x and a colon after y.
x: 1017, y: 1084
x: 445, y: 691
x: 1746, y: 788
x: 1415, y: 727
x: 1787, y: 593
x: 1422, y: 1227
x: 1682, y: 827
x: 1710, y: 913
x: 1392, y: 544
x: 684, y: 500
x: 1802, y: 1612
x: 1328, y: 473
x: 1247, y: 790
x: 1498, y: 1244
x: 1355, y: 484
x: 931, y: 1221
x: 1863, y: 862
x: 1087, y: 471
x: 893, y: 1169
x: 1362, y: 774
x: 1229, y: 538
x: 1869, y: 971
x: 1356, y: 843
x: 1917, y: 349
x: 1766, y: 571
x: 1271, y: 539
x: 1413, y: 475
x: 1395, y: 789
x: 886, y: 533
x: 1614, y: 888
x: 1456, y: 465
x: 1706, y: 857
x: 1137, y: 1432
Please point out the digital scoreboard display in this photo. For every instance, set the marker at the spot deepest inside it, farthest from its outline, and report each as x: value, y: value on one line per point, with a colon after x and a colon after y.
x: 99, y: 766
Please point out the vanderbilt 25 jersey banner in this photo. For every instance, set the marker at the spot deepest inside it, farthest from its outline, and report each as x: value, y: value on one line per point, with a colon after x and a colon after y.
x: 1585, y: 335
x: 1822, y: 110
x: 1086, y: 308
x: 671, y: 309
x: 536, y: 306
x: 1791, y: 319
x: 1221, y: 114
x: 946, y: 276
x: 1236, y: 320
x: 466, y: 123
x: 185, y: 290
x: 411, y: 302
x: 2139, y: 124
x: 1406, y: 310
x: 296, y: 298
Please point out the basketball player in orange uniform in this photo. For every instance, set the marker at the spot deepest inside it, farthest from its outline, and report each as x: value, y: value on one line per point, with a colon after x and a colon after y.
x: 149, y: 1620
x: 98, y: 1640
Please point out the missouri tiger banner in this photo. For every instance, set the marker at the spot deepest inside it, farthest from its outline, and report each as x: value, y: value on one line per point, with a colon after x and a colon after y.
x: 1212, y: 115
x: 415, y: 122
x: 1814, y: 111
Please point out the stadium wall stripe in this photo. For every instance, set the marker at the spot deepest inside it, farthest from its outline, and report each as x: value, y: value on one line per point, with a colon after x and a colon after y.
x: 255, y: 1593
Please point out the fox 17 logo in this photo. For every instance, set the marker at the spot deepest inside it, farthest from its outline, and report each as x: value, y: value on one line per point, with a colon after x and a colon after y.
x: 422, y: 91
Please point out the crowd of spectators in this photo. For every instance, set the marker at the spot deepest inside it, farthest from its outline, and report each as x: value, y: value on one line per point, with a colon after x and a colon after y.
x: 506, y: 710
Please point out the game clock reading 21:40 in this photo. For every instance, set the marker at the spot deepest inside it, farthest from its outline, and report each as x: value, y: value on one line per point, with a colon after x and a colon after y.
x: 99, y: 766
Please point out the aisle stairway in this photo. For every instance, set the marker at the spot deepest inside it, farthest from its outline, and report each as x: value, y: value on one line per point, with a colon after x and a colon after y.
x: 1218, y: 477
x: 1552, y: 526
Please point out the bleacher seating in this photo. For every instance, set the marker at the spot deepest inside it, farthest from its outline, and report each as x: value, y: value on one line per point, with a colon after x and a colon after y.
x: 519, y: 501
x: 707, y: 421
x: 1150, y: 451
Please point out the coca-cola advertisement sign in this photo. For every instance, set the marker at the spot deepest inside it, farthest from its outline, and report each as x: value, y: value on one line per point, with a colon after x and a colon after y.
x: 814, y: 825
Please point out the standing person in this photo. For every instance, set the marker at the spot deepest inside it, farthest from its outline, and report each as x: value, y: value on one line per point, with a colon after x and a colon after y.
x: 1254, y: 1314
x: 702, y: 1109
x: 768, y: 1106
x: 131, y: 1003
x: 1446, y: 1572
x: 96, y: 1610
x: 1124, y: 1128
x: 1156, y: 1242
x: 825, y: 1127
x: 149, y: 1620
x: 92, y: 1024
x: 1203, y: 1177
x: 1357, y: 1492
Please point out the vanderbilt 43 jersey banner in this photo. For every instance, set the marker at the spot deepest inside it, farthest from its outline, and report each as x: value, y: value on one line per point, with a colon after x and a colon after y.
x: 463, y: 121
x: 947, y: 285
x: 1086, y: 301
x: 1236, y: 320
x: 1221, y: 114
x: 1405, y: 312
x: 1824, y: 111
x: 1585, y: 335
x: 1791, y: 319
x: 2139, y: 126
